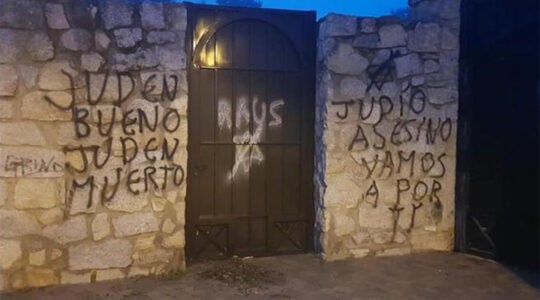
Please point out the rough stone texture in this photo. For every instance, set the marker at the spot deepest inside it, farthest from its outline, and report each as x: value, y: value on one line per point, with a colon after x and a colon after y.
x: 38, y: 193
x: 365, y: 147
x: 37, y: 258
x: 104, y: 275
x: 71, y: 278
x: 92, y: 61
x: 352, y: 88
x: 133, y: 224
x: 21, y: 133
x: 51, y: 216
x: 176, y: 240
x: 116, y: 13
x: 6, y: 109
x: 339, y: 25
x: 104, y: 255
x: 52, y: 78
x: 426, y: 37
x: 29, y: 75
x: 56, y: 17
x: 8, y: 80
x: 77, y: 39
x: 392, y: 36
x: 40, y: 47
x: 152, y: 16
x: 172, y: 57
x: 17, y: 223
x: 347, y: 61
x: 101, y: 227
x: 12, y: 167
x: 160, y: 37
x: 72, y: 230
x: 102, y: 41
x: 127, y: 37
x: 24, y: 14
x: 11, y: 253
x: 38, y: 277
x: 368, y: 25
x: 408, y: 65
x: 11, y: 43
x: 35, y: 107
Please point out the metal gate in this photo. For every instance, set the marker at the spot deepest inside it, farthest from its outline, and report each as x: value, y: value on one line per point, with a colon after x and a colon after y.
x: 497, y: 184
x: 251, y: 123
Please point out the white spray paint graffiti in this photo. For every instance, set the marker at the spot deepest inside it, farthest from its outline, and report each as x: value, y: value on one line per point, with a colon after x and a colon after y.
x: 247, y: 150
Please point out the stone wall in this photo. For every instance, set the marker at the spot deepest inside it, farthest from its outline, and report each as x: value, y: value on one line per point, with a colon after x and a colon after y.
x: 93, y: 134
x: 386, y: 132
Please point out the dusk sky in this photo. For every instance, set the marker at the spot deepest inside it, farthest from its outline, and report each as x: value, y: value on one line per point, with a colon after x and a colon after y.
x: 350, y: 7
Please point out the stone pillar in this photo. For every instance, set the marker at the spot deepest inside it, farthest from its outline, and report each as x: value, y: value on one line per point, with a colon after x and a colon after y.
x: 386, y: 132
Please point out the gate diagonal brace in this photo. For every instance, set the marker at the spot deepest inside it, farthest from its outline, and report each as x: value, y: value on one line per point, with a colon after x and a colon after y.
x: 286, y: 231
x: 211, y: 237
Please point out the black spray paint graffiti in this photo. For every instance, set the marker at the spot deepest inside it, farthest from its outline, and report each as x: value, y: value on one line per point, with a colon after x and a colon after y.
x: 158, y: 171
x: 380, y: 128
x: 25, y: 166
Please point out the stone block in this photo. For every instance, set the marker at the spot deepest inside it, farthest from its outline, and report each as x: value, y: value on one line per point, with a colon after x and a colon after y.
x: 374, y: 218
x: 52, y: 78
x: 440, y: 96
x: 31, y: 162
x: 21, y: 133
x: 180, y: 208
x: 172, y: 57
x: 158, y: 204
x: 160, y: 37
x: 101, y: 227
x: 102, y: 41
x: 40, y: 47
x: 168, y: 226
x: 11, y: 43
x: 426, y: 37
x: 6, y: 109
x: 77, y: 39
x: 55, y: 254
x: 51, y: 216
x: 431, y: 66
x: 127, y: 37
x: 394, y: 252
x: 341, y: 192
x: 72, y: 230
x: 352, y: 87
x: 366, y: 41
x: 134, y: 224
x: 176, y: 16
x: 392, y: 35
x: 338, y: 25
x: 113, y: 253
x: 8, y: 80
x: 72, y: 278
x: 11, y: 253
x: 141, y: 58
x: 36, y: 106
x: 37, y: 258
x: 342, y: 224
x: 112, y: 274
x: 116, y: 14
x: 38, y: 193
x: 175, y: 240
x: 152, y: 256
x: 55, y: 15
x: 408, y: 65
x: 17, y: 223
x: 127, y: 202
x: 24, y: 14
x: 29, y: 75
x: 38, y: 277
x: 368, y: 25
x: 92, y: 61
x: 347, y: 61
x: 450, y: 39
x: 152, y: 15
